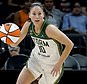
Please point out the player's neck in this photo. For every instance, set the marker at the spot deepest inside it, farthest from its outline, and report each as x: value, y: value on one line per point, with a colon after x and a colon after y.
x: 38, y: 27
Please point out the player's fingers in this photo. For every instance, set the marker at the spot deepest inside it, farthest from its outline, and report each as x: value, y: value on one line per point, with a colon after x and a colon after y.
x: 53, y: 72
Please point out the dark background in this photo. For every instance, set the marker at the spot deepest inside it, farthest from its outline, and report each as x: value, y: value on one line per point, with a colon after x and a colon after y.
x: 69, y: 77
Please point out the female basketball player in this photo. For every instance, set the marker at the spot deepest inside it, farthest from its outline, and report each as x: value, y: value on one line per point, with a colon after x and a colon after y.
x: 45, y: 59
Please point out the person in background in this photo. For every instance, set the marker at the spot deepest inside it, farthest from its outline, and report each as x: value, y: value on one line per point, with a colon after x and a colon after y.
x: 47, y: 38
x: 84, y: 7
x: 55, y: 15
x: 3, y: 56
x: 16, y: 5
x: 75, y: 26
x: 75, y: 21
x: 15, y: 61
x: 21, y: 16
x: 84, y: 10
x: 65, y: 6
x: 10, y: 18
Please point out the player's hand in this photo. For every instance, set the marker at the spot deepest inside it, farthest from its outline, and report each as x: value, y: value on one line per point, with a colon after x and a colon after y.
x: 56, y: 70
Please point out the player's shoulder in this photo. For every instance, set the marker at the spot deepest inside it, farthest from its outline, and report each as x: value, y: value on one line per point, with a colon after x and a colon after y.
x: 51, y: 26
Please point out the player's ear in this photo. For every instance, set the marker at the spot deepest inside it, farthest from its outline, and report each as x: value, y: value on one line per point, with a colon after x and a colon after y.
x: 29, y: 15
x: 29, y: 19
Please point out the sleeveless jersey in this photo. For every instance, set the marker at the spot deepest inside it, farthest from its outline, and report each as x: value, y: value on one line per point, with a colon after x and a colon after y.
x: 46, y: 49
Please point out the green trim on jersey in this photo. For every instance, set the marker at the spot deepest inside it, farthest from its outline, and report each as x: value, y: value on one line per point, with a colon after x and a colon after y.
x: 42, y: 34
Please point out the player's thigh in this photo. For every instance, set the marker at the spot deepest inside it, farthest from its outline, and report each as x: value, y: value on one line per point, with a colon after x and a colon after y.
x: 25, y: 77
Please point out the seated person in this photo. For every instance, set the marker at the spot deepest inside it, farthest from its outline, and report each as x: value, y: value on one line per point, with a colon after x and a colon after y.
x: 15, y: 60
x: 55, y: 15
x: 75, y: 21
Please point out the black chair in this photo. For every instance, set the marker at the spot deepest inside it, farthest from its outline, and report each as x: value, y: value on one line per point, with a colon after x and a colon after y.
x: 16, y: 62
x: 80, y: 44
x: 82, y: 61
x: 71, y: 64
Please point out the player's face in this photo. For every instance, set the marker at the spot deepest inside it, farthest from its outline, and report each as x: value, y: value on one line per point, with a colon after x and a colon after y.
x: 36, y: 14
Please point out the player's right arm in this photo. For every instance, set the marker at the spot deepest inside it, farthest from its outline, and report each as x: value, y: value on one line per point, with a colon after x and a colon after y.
x: 24, y: 31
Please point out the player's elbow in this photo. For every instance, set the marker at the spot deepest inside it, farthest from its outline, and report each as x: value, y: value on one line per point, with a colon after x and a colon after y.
x: 70, y: 44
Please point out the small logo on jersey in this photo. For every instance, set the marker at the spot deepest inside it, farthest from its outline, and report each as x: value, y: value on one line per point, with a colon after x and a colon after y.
x: 42, y: 35
x: 43, y: 55
x: 31, y: 32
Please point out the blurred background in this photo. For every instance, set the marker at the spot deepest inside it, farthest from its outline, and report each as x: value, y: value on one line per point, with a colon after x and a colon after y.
x: 70, y: 16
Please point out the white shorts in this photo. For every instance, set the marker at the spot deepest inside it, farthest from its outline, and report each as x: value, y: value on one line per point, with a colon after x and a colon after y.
x: 37, y: 68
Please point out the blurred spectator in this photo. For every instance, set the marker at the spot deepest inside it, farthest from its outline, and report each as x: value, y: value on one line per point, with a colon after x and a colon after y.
x: 75, y: 21
x: 19, y: 18
x: 27, y: 44
x: 3, y: 56
x: 10, y: 18
x: 22, y: 15
x: 56, y: 15
x: 15, y: 60
x: 16, y: 5
x: 65, y: 6
x: 26, y: 47
x: 84, y: 7
x: 84, y: 10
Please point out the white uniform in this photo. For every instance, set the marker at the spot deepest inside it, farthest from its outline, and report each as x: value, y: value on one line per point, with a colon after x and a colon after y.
x: 43, y: 58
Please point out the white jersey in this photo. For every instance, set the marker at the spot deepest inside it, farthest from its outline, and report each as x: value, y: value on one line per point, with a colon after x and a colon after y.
x: 46, y: 50
x: 44, y: 56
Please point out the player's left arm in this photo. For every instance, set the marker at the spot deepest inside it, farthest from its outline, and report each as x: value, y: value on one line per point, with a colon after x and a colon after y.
x: 54, y: 33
